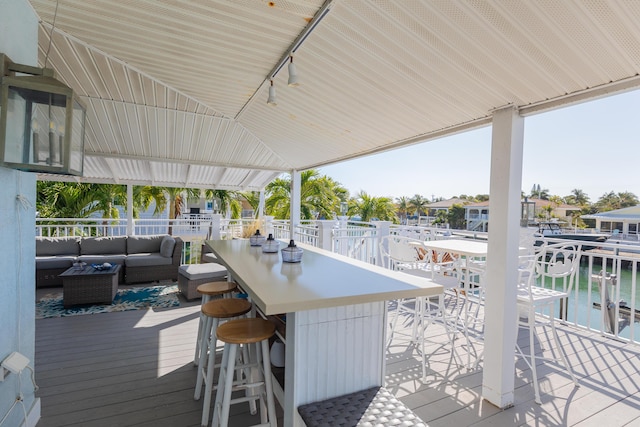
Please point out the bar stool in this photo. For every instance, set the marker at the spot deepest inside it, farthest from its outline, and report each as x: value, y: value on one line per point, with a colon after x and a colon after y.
x: 209, y: 290
x: 234, y: 333
x: 214, y: 312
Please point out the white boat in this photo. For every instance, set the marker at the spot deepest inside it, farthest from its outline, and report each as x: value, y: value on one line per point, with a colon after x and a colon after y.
x: 554, y: 230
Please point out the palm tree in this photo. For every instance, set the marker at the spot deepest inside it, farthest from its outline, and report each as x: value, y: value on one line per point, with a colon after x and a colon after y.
x: 253, y: 198
x: 64, y: 199
x: 627, y: 199
x: 178, y: 198
x: 143, y: 196
x: 368, y: 207
x: 80, y: 200
x: 107, y: 197
x: 177, y: 201
x: 320, y: 196
x: 229, y: 202
x: 418, y: 203
x: 539, y: 193
x: 577, y: 197
x: 612, y: 201
x: 403, y: 207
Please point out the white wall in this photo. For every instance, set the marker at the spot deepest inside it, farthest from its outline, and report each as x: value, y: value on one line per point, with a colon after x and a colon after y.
x: 19, y: 40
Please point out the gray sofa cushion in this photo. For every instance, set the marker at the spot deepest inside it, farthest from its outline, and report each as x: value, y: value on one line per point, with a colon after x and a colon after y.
x: 51, y: 262
x: 144, y: 244
x: 209, y: 257
x: 203, y: 271
x: 167, y: 246
x: 103, y: 246
x: 99, y: 259
x: 57, y: 246
x: 146, y: 260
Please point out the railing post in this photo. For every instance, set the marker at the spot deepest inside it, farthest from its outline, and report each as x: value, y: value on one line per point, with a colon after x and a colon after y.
x: 130, y: 228
x: 382, y: 230
x: 268, y: 225
x: 325, y: 227
x: 215, y: 226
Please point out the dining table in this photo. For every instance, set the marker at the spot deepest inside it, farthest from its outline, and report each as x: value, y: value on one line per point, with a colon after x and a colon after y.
x: 335, y: 309
x: 472, y: 254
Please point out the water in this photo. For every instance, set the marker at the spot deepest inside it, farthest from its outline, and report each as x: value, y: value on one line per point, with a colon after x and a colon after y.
x: 587, y: 314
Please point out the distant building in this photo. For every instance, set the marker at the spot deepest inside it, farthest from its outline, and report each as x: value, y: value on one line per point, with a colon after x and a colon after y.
x: 477, y: 216
x: 532, y: 210
x: 626, y: 221
x: 445, y: 205
x: 545, y: 210
x: 435, y: 207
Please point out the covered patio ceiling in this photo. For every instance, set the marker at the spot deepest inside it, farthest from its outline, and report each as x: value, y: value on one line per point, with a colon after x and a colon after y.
x: 176, y: 91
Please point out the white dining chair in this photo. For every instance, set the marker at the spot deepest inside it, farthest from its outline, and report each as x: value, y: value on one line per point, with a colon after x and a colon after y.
x: 403, y: 254
x: 460, y: 311
x: 545, y: 281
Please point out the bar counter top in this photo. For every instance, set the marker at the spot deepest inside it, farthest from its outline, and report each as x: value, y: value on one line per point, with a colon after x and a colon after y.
x: 322, y: 280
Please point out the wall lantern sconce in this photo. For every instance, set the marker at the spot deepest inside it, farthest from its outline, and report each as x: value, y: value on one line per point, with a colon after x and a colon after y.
x: 42, y: 123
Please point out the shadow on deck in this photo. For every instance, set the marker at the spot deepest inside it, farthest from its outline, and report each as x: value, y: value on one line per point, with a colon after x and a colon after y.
x: 135, y: 368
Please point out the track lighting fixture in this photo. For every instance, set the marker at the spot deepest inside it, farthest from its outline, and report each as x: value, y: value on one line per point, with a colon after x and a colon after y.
x: 272, y: 95
x: 293, y: 74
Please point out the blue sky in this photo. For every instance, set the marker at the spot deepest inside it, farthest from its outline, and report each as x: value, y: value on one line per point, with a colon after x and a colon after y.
x: 593, y: 146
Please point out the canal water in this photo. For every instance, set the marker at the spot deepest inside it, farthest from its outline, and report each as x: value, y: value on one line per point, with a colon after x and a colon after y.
x: 587, y: 313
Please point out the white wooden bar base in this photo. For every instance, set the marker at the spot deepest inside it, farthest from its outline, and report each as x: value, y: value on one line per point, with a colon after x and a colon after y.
x: 336, y: 310
x: 331, y: 352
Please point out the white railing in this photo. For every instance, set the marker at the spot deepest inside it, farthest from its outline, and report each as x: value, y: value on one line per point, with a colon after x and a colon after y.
x: 617, y: 287
x: 359, y: 240
x: 356, y: 240
x: 62, y: 227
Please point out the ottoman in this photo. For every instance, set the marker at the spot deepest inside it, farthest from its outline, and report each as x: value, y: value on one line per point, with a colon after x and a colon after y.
x: 190, y: 276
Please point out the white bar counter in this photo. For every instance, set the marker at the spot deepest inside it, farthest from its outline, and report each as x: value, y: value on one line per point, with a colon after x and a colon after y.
x: 335, y: 315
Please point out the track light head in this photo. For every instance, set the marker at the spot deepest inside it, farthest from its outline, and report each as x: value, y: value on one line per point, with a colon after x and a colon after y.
x: 293, y: 74
x: 271, y: 100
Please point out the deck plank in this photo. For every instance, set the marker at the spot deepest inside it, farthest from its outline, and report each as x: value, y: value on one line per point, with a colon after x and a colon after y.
x: 136, y: 368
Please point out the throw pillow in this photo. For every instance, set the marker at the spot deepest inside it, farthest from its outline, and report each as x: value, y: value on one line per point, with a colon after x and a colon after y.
x: 166, y: 247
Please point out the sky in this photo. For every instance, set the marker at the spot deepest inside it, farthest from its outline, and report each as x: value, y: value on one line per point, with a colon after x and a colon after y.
x: 593, y: 146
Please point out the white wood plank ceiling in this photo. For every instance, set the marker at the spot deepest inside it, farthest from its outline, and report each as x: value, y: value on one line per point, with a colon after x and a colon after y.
x: 176, y: 90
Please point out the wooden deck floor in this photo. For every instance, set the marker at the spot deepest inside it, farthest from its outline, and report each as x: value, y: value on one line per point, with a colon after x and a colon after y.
x: 135, y: 368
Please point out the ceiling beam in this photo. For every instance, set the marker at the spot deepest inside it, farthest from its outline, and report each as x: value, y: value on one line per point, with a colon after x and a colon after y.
x: 182, y: 161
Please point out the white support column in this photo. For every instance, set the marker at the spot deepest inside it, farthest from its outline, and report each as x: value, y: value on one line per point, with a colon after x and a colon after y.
x: 261, y: 203
x: 268, y: 225
x: 295, y: 202
x: 502, y: 258
x: 130, y: 228
x: 215, y: 227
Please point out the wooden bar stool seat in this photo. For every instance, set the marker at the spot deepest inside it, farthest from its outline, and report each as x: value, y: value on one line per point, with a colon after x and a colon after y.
x: 245, y: 332
x: 226, y: 308
x: 216, y: 288
x: 208, y: 291
x: 214, y: 312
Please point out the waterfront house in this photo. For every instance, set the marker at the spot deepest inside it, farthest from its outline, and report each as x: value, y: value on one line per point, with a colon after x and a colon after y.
x: 533, y: 210
x: 623, y: 222
x: 477, y: 216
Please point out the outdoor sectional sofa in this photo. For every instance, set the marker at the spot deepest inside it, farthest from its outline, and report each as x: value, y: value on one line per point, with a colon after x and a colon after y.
x: 143, y: 258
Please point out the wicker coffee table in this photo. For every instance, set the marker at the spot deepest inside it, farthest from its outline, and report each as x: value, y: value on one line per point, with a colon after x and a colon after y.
x: 89, y: 286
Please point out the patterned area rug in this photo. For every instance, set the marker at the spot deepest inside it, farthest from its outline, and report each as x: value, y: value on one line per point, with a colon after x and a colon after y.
x: 126, y: 299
